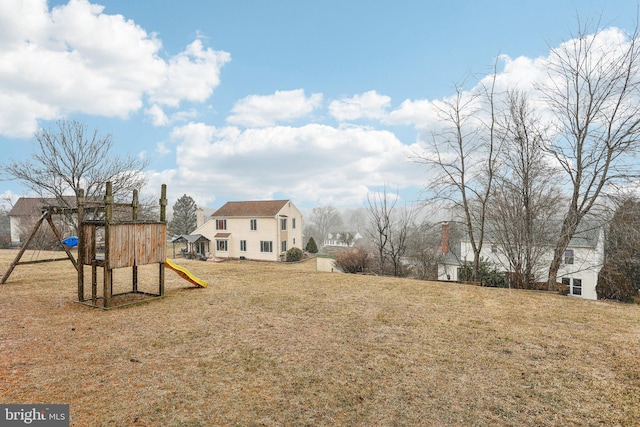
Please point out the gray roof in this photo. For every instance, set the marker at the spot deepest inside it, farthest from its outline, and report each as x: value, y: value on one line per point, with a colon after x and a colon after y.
x: 191, y: 238
x: 32, y: 206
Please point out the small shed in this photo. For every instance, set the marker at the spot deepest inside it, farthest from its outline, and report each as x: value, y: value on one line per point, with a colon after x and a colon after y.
x: 195, y: 245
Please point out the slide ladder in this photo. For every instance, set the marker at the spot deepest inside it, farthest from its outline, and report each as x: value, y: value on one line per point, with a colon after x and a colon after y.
x: 185, y: 274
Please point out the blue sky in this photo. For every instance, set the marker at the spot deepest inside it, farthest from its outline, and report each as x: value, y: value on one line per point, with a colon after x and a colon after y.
x: 319, y: 102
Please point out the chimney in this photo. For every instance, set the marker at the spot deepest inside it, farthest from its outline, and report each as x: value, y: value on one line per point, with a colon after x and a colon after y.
x: 199, y: 217
x: 445, y: 237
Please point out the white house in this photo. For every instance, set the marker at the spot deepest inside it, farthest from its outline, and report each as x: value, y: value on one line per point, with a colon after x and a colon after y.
x: 258, y: 230
x: 346, y: 239
x: 580, y: 267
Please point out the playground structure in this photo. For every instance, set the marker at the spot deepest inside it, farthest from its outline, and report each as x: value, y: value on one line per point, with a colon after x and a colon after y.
x: 105, y: 244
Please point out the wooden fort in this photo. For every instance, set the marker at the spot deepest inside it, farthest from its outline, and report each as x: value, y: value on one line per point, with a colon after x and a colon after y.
x: 106, y: 244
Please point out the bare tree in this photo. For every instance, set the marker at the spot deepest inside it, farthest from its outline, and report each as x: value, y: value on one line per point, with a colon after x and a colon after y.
x: 593, y: 91
x: 326, y: 219
x: 389, y: 231
x: 464, y: 155
x: 425, y: 249
x: 521, y: 209
x: 71, y: 158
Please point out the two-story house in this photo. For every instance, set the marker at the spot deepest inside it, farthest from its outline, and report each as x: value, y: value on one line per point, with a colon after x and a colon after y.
x: 258, y: 230
x: 579, y: 270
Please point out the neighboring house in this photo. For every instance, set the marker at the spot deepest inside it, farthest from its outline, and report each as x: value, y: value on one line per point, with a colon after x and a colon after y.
x: 258, y: 230
x: 195, y: 245
x: 5, y: 230
x: 347, y: 239
x: 580, y: 267
x: 26, y: 212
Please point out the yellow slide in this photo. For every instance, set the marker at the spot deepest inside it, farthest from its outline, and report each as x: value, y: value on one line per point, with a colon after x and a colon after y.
x: 184, y: 273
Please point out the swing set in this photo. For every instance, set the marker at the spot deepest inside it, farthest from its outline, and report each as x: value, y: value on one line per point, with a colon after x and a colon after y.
x: 105, y: 244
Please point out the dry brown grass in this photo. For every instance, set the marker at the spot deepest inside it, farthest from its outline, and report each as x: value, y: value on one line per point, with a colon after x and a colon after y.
x: 282, y: 345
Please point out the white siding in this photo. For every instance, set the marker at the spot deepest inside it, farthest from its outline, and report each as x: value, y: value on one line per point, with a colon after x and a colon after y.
x: 586, y: 265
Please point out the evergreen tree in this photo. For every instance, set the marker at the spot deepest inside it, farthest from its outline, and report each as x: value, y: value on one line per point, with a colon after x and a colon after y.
x: 311, y: 247
x: 184, y: 219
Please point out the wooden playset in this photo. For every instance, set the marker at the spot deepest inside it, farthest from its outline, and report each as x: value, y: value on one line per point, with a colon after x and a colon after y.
x: 106, y: 244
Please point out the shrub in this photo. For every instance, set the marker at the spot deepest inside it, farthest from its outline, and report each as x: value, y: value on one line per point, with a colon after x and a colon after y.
x: 614, y: 285
x: 311, y: 247
x: 353, y: 261
x: 562, y: 288
x: 294, y: 254
x: 487, y: 274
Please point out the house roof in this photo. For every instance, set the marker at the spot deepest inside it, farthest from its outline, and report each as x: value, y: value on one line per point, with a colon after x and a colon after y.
x: 258, y: 208
x: 28, y: 206
x: 191, y: 238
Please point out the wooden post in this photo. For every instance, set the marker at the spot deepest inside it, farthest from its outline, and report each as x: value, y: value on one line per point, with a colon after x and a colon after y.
x: 134, y: 268
x: 81, y: 244
x: 94, y: 284
x: 163, y: 218
x: 108, y: 216
x: 163, y: 203
x: 24, y: 247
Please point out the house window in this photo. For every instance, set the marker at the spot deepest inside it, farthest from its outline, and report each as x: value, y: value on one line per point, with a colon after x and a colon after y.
x: 266, y: 246
x: 294, y: 240
x: 253, y: 224
x: 243, y: 246
x: 284, y: 246
x: 568, y: 256
x: 221, y: 245
x: 576, y: 288
x: 221, y: 224
x: 293, y: 223
x: 575, y: 285
x: 283, y: 224
x: 494, y: 248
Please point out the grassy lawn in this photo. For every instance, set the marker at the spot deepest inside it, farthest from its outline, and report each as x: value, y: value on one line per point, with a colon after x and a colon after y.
x: 283, y: 345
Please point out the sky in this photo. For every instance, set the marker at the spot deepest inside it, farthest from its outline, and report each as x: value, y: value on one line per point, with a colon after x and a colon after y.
x: 322, y: 102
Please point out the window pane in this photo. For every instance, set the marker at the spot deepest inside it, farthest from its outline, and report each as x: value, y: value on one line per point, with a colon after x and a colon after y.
x: 577, y: 286
x: 568, y: 256
x: 221, y: 245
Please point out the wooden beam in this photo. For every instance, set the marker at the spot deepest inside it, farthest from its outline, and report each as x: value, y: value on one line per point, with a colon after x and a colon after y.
x: 23, y: 248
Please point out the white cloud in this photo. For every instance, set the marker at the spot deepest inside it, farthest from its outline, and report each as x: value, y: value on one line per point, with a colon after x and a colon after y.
x: 268, y: 110
x: 162, y: 149
x: 420, y: 113
x: 369, y: 105
x: 157, y: 115
x: 8, y: 199
x: 191, y: 75
x: 310, y: 164
x: 75, y: 58
x: 160, y: 118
